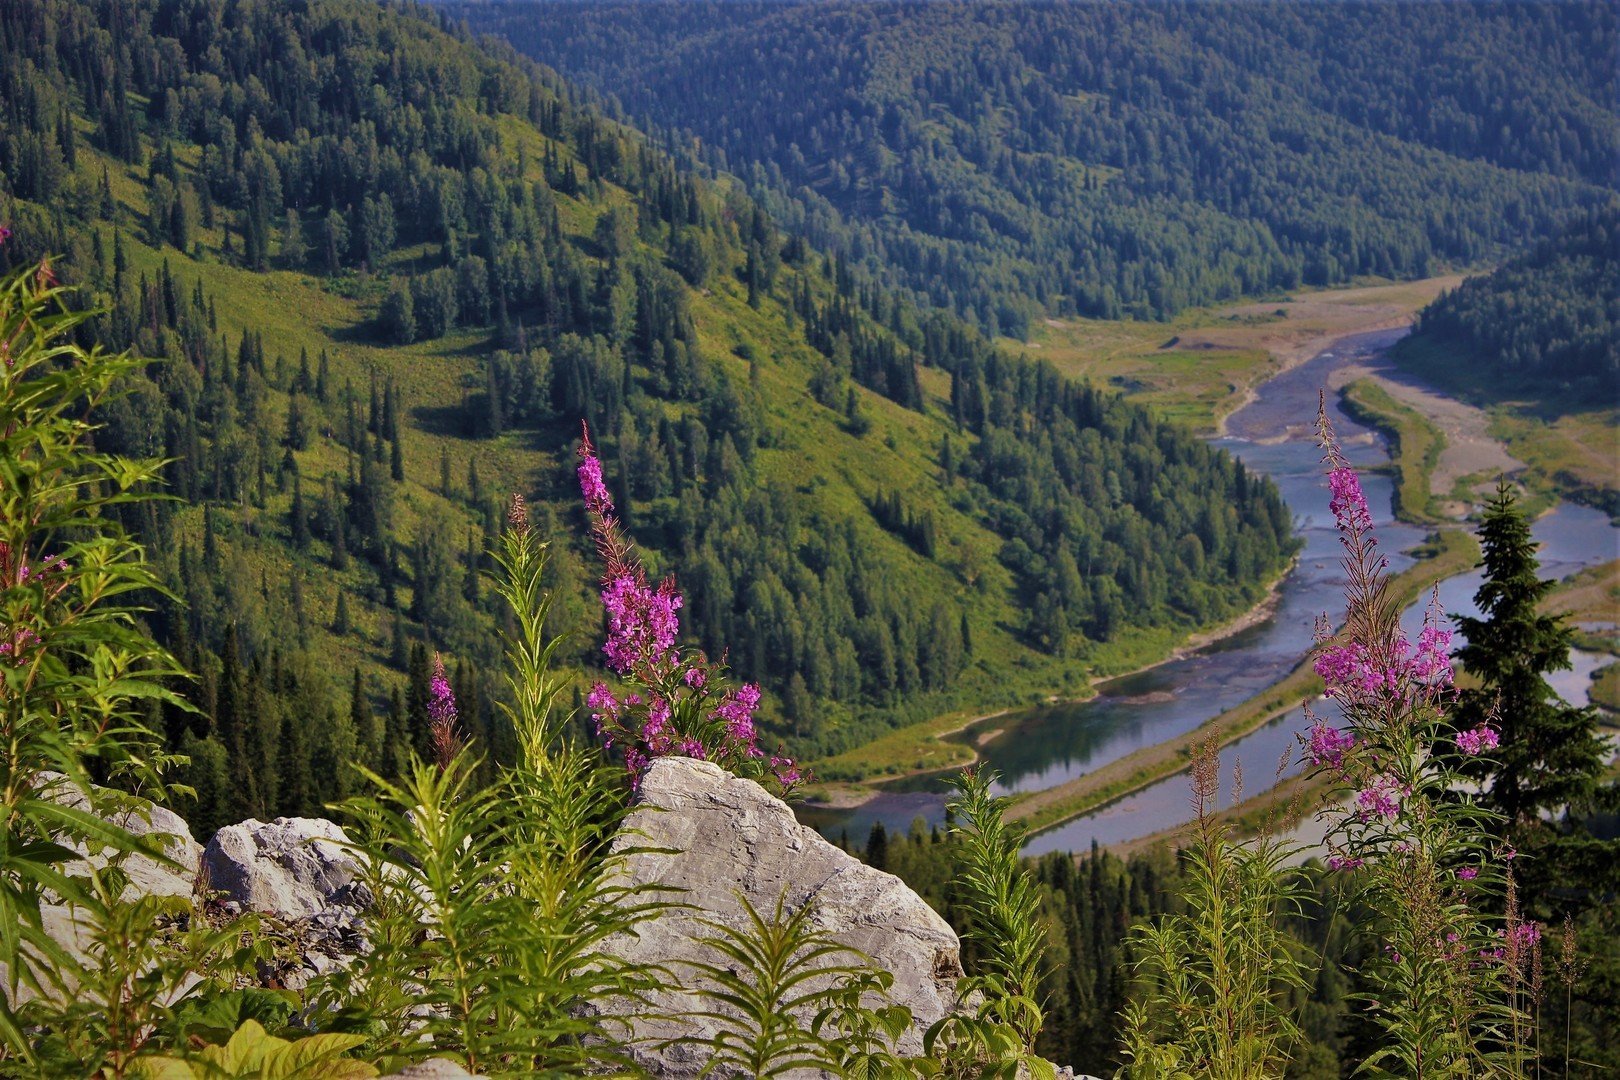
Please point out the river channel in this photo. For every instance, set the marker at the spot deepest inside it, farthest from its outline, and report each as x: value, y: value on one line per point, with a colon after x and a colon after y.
x: 1274, y: 434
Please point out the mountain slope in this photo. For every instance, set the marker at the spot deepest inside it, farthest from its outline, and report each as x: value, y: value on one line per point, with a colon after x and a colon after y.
x: 1109, y: 159
x: 1537, y: 340
x: 384, y: 273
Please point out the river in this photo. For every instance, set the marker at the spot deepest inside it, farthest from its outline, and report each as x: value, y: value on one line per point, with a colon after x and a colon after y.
x: 1274, y: 434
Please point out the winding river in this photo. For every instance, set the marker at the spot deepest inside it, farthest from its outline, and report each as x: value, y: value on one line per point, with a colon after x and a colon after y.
x: 1049, y: 745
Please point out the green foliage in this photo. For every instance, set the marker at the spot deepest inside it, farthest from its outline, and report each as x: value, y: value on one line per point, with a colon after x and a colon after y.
x: 785, y: 996
x: 79, y: 678
x: 557, y: 251
x: 517, y: 880
x: 254, y: 1054
x: 1542, y: 323
x: 1551, y: 755
x: 1004, y: 925
x: 1219, y: 973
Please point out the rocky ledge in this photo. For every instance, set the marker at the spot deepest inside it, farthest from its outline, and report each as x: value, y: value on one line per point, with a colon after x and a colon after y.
x: 709, y: 838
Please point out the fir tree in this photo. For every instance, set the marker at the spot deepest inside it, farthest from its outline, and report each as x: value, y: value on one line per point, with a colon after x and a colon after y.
x: 396, y: 461
x: 300, y: 517
x: 1550, y: 756
x: 368, y: 739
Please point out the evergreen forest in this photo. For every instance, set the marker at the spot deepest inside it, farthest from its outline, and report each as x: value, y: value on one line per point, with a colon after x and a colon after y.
x: 1010, y: 161
x: 381, y: 273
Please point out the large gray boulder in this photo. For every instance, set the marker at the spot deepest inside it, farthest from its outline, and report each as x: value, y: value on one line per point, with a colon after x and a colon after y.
x: 727, y: 836
x: 300, y: 874
x: 289, y: 868
x: 175, y: 875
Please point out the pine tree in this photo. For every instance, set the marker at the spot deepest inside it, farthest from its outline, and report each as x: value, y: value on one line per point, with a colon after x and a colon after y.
x: 300, y: 517
x: 340, y: 618
x: 877, y: 847
x: 368, y: 740
x: 419, y: 677
x: 1550, y: 756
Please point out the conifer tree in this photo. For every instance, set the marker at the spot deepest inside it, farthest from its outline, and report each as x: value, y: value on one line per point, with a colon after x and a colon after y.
x: 1550, y: 756
x: 396, y: 461
x: 364, y: 722
x: 300, y: 516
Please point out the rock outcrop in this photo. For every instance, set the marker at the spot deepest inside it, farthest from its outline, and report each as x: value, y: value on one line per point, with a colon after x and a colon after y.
x: 301, y: 874
x: 728, y: 836
x: 292, y: 868
x: 138, y: 817
x: 705, y: 836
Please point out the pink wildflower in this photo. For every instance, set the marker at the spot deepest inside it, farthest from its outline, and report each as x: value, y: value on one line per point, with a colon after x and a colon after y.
x: 441, y: 710
x: 591, y: 485
x: 786, y: 771
x: 642, y: 623
x: 695, y: 677
x: 1328, y: 745
x: 1432, y: 664
x: 1348, y: 504
x: 1478, y: 739
x: 736, y: 711
x: 1381, y: 799
x: 1349, y: 669
x: 1467, y: 873
x: 1345, y: 862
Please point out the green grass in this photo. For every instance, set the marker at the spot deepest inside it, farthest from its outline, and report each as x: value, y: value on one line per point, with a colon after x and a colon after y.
x: 1605, y: 691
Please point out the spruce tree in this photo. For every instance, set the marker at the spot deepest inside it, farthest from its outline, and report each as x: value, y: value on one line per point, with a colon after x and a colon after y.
x: 1550, y: 756
x: 368, y: 739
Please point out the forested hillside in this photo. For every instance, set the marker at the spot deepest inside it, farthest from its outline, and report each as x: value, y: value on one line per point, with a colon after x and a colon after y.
x: 1547, y: 321
x: 383, y: 273
x: 1119, y: 159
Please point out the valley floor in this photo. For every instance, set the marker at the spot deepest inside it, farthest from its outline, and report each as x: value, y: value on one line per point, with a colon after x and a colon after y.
x: 1202, y: 368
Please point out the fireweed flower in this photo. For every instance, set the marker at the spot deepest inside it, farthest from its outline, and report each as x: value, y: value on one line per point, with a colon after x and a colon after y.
x: 1477, y: 740
x: 1328, y: 745
x: 1381, y: 799
x: 1416, y: 845
x: 441, y: 709
x: 1350, y: 669
x: 642, y: 624
x: 686, y: 711
x: 787, y: 773
x: 1432, y: 664
x: 1348, y: 504
x: 736, y: 712
x: 1526, y: 936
